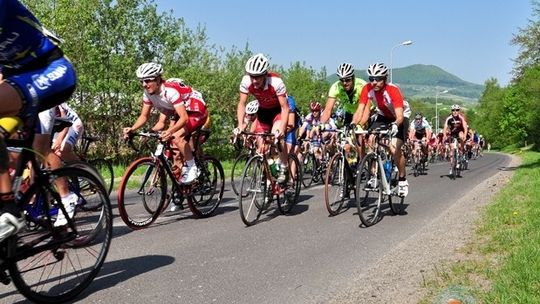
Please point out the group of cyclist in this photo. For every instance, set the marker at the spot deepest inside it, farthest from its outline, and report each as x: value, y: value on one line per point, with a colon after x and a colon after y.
x: 42, y: 79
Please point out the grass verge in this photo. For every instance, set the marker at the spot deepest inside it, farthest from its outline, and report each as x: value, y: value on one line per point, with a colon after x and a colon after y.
x: 502, y: 264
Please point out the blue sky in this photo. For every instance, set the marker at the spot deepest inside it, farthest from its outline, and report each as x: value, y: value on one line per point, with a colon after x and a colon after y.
x: 470, y: 39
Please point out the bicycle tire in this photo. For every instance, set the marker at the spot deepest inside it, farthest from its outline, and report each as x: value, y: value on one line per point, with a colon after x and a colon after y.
x: 254, y: 183
x: 292, y: 190
x: 106, y: 170
x: 64, y: 263
x: 369, y: 208
x: 335, y: 184
x: 238, y: 167
x: 308, y: 170
x: 148, y: 178
x: 208, y: 193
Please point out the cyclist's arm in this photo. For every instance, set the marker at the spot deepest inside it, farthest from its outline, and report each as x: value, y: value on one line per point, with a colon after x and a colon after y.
x: 330, y: 101
x: 143, y: 118
x: 241, y: 110
x: 182, y: 120
x: 284, y: 114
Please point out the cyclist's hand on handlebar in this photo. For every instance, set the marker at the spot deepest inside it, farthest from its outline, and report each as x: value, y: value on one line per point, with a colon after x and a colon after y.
x: 236, y: 131
x: 393, y: 129
x: 165, y: 135
x: 125, y: 132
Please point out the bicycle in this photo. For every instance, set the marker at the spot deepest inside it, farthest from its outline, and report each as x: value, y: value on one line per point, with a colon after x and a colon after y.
x: 341, y: 173
x: 457, y: 161
x: 377, y: 174
x: 313, y: 168
x: 51, y: 264
x: 418, y: 158
x: 259, y: 184
x: 148, y: 175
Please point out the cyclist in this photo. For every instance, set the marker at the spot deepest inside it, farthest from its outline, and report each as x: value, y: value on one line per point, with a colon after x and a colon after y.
x: 269, y: 89
x: 454, y: 127
x: 36, y: 77
x: 391, y: 110
x: 184, y: 106
x: 310, y: 128
x: 292, y: 125
x: 346, y: 93
x: 66, y: 139
x: 420, y: 129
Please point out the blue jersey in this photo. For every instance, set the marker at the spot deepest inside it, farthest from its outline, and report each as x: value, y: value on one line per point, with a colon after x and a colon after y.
x: 31, y: 61
x: 22, y: 38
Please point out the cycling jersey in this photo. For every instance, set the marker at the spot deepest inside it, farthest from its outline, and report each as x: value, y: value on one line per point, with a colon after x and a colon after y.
x: 173, y: 95
x: 386, y: 99
x: 348, y: 101
x: 420, y: 126
x: 267, y: 96
x: 455, y: 124
x: 310, y: 121
x: 31, y: 60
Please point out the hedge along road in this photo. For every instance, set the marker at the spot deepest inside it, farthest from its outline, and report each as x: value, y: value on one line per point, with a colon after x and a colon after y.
x: 305, y: 257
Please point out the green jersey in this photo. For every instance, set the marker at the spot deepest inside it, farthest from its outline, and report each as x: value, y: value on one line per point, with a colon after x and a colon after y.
x: 349, y: 102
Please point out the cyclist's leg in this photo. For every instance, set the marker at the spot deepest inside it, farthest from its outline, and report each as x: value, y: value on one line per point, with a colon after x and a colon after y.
x: 181, y: 138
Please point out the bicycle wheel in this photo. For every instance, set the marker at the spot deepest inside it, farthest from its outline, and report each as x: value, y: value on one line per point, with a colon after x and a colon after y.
x: 291, y: 190
x: 56, y: 264
x: 142, y: 193
x: 369, y: 190
x: 308, y: 170
x: 254, y: 185
x: 397, y: 203
x: 236, y: 171
x: 336, y: 190
x: 105, y: 169
x: 208, y: 193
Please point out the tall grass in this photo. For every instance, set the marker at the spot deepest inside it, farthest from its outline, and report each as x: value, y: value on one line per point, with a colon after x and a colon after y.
x: 505, y: 251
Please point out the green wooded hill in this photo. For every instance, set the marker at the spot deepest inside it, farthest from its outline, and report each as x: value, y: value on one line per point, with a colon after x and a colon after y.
x: 421, y: 81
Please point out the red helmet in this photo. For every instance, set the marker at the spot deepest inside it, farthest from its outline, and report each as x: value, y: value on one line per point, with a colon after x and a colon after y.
x: 314, y: 106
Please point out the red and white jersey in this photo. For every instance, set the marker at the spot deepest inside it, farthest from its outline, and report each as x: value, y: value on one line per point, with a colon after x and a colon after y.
x: 386, y: 100
x: 173, y: 95
x: 268, y: 96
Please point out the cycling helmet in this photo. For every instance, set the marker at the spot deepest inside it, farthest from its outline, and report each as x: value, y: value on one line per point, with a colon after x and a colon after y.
x: 455, y: 107
x: 314, y: 106
x: 345, y: 70
x: 257, y: 65
x: 149, y: 70
x: 418, y: 116
x: 252, y: 107
x: 377, y: 70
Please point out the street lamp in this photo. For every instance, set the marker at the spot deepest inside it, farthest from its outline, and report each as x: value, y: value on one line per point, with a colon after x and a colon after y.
x: 436, y: 109
x: 407, y: 42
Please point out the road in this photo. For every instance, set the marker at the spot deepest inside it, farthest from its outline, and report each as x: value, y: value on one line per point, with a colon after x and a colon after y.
x: 305, y: 257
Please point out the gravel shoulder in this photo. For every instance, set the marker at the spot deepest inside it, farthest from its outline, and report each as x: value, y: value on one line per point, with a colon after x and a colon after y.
x: 390, y: 281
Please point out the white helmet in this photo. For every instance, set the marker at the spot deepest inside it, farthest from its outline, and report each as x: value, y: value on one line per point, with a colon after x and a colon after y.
x: 345, y: 70
x: 377, y: 70
x: 149, y: 70
x: 455, y: 107
x: 252, y: 107
x: 257, y: 65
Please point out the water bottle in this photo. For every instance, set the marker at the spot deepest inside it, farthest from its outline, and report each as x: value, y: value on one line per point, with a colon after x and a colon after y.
x: 388, y: 169
x: 273, y: 166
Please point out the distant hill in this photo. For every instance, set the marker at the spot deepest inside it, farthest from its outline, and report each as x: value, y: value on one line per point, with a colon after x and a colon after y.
x: 421, y: 81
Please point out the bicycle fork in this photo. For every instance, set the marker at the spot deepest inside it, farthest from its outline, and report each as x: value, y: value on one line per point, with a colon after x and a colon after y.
x: 385, y: 183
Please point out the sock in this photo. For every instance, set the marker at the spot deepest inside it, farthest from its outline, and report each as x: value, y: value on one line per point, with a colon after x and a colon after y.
x: 190, y: 163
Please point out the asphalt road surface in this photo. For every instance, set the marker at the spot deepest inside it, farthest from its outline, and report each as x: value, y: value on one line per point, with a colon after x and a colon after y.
x: 304, y: 257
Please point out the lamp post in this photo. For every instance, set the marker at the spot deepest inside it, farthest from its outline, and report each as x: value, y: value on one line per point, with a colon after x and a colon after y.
x: 436, y: 108
x: 407, y: 42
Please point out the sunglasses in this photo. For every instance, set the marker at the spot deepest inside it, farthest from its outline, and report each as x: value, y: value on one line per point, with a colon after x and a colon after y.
x: 455, y: 110
x: 346, y: 80
x: 148, y: 80
x: 378, y: 78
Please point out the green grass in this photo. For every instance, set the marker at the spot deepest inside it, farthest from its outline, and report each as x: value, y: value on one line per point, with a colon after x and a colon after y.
x: 504, y: 256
